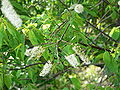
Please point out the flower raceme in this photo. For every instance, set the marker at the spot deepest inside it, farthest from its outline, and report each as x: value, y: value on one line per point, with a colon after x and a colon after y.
x: 46, y: 69
x: 72, y: 60
x: 81, y: 54
x: 9, y: 12
x: 35, y: 52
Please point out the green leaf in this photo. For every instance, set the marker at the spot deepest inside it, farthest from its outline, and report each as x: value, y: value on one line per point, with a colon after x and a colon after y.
x: 11, y: 29
x: 76, y: 83
x: 114, y: 66
x: 83, y: 38
x: 91, y: 12
x: 114, y: 15
x: 39, y: 36
x: 78, y: 19
x: 115, y: 33
x: 65, y: 88
x: 1, y: 34
x: 18, y: 73
x: 46, y: 54
x: 30, y: 73
x: 18, y: 6
x: 1, y: 82
x: 32, y: 37
x: 8, y: 80
x: 107, y: 58
x: 68, y: 50
x: 29, y: 87
x: 23, y: 17
x: 1, y: 39
x: 99, y: 57
x: 110, y: 63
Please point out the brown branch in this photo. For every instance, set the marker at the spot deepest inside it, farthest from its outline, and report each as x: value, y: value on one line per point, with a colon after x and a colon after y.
x: 87, y: 45
x: 24, y: 67
x: 41, y: 44
x: 102, y: 32
x: 64, y: 32
x: 58, y: 28
x: 96, y: 47
x: 63, y: 4
x: 97, y: 4
x: 101, y: 19
x: 54, y: 76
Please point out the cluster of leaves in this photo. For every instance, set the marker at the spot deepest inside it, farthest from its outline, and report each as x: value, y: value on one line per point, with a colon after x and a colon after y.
x: 50, y: 24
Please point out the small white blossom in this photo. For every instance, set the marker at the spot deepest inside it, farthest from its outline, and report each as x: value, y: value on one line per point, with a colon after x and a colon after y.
x: 119, y: 3
x: 46, y: 69
x: 10, y: 57
x: 5, y: 53
x: 28, y: 52
x: 9, y: 12
x: 17, y: 67
x: 35, y: 52
x: 21, y: 73
x: 79, y: 8
x: 81, y: 54
x: 18, y: 88
x: 22, y: 64
x: 72, y: 60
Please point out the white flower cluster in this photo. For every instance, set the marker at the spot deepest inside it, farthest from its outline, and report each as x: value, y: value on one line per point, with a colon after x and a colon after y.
x: 9, y: 12
x: 79, y: 8
x: 72, y: 60
x: 119, y: 3
x: 46, y: 69
x: 35, y: 52
x: 81, y: 54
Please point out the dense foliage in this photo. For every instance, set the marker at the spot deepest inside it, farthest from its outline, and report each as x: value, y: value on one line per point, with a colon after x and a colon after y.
x: 81, y: 50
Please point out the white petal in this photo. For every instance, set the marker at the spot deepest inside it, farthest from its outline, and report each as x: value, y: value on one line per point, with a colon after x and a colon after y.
x: 72, y: 60
x: 79, y: 8
x: 9, y: 12
x: 119, y: 3
x: 46, y: 69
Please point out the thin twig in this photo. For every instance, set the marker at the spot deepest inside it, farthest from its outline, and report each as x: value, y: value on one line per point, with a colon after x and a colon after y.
x: 87, y: 45
x: 58, y: 28
x: 53, y: 77
x: 41, y: 44
x: 97, y: 4
x: 64, y: 32
x: 102, y: 32
x: 103, y: 17
x: 63, y: 4
x: 24, y: 67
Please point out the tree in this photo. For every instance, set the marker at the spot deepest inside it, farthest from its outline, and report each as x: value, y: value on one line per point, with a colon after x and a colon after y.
x: 59, y: 44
